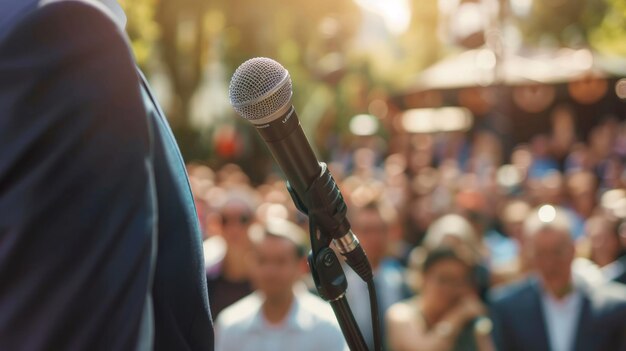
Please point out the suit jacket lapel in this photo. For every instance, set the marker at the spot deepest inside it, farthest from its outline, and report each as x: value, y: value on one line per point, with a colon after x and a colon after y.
x: 146, y: 87
x: 167, y: 136
x: 162, y: 120
x: 584, y: 341
x: 539, y: 329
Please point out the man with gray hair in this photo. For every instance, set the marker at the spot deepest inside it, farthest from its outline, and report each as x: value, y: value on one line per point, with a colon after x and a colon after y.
x: 554, y: 309
x: 100, y: 246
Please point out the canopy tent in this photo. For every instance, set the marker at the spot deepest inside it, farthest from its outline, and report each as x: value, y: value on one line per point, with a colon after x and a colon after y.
x: 529, y: 87
x: 480, y: 67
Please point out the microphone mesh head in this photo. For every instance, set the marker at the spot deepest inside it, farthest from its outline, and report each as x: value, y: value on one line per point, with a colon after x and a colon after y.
x: 259, y: 88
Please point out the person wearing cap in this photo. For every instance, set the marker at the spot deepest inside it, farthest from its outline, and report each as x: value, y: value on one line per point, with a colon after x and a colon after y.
x: 281, y: 314
x: 555, y: 309
x: 228, y: 278
x: 456, y: 232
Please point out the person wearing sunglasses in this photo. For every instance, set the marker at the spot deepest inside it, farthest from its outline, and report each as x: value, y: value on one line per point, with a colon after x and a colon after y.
x: 228, y: 279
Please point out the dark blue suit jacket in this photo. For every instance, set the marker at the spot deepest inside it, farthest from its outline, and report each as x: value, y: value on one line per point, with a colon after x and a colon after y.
x: 517, y: 313
x: 100, y: 247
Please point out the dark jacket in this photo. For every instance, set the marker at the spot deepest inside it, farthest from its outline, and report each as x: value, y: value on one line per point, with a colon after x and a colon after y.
x: 100, y: 247
x: 518, y: 319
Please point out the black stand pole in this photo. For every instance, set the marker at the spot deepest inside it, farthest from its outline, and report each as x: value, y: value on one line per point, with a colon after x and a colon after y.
x: 324, y: 205
x: 331, y: 284
x: 348, y: 325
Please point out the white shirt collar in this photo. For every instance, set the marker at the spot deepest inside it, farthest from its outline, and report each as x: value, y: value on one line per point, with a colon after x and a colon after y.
x: 297, y: 318
x: 561, y: 318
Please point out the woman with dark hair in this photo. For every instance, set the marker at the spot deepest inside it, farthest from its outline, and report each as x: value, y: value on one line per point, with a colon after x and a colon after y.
x: 447, y: 315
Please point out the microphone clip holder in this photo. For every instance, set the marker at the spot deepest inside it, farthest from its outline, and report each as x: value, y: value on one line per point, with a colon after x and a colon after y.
x: 326, y: 209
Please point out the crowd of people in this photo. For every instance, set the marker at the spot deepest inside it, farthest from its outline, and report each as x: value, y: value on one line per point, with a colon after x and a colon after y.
x: 472, y: 249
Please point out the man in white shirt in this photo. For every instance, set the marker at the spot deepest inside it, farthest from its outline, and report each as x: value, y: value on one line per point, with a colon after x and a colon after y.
x: 556, y: 310
x: 279, y: 315
x: 561, y: 317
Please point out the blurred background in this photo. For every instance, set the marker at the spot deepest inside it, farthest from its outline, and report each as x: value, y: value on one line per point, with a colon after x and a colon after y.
x: 436, y: 117
x: 369, y: 71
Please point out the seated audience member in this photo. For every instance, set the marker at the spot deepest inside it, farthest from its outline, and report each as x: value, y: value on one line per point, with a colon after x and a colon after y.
x: 280, y: 314
x: 554, y: 309
x: 456, y: 232
x: 371, y: 224
x: 603, y: 234
x: 228, y: 279
x: 447, y: 315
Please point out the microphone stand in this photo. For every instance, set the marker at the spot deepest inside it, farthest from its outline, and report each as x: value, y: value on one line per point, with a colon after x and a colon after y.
x: 324, y: 206
x: 331, y: 284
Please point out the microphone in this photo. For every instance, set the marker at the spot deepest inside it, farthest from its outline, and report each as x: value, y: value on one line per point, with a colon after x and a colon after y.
x: 260, y: 91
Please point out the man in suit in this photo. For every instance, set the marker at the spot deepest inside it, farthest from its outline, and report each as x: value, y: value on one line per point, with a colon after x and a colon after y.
x: 100, y: 247
x: 555, y: 310
x: 281, y: 314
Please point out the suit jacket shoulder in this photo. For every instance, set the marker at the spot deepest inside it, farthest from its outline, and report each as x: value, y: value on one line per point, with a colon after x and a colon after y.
x: 76, y: 189
x: 517, y: 317
x: 512, y: 292
x: 14, y: 12
x: 602, y: 323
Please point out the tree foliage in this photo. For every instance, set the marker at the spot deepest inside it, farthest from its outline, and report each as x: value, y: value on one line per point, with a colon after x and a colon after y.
x: 334, y: 77
x: 141, y: 27
x: 609, y: 36
x: 599, y: 24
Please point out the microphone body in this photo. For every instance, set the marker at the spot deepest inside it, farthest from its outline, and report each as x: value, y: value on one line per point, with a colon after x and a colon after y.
x: 260, y: 91
x: 289, y: 146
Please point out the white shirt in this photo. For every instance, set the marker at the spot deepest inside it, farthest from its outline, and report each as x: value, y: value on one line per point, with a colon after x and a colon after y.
x: 561, y: 317
x: 309, y: 326
x: 613, y: 269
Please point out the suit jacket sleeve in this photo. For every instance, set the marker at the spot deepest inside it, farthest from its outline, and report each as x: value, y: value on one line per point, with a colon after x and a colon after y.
x: 501, y: 331
x: 76, y: 211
